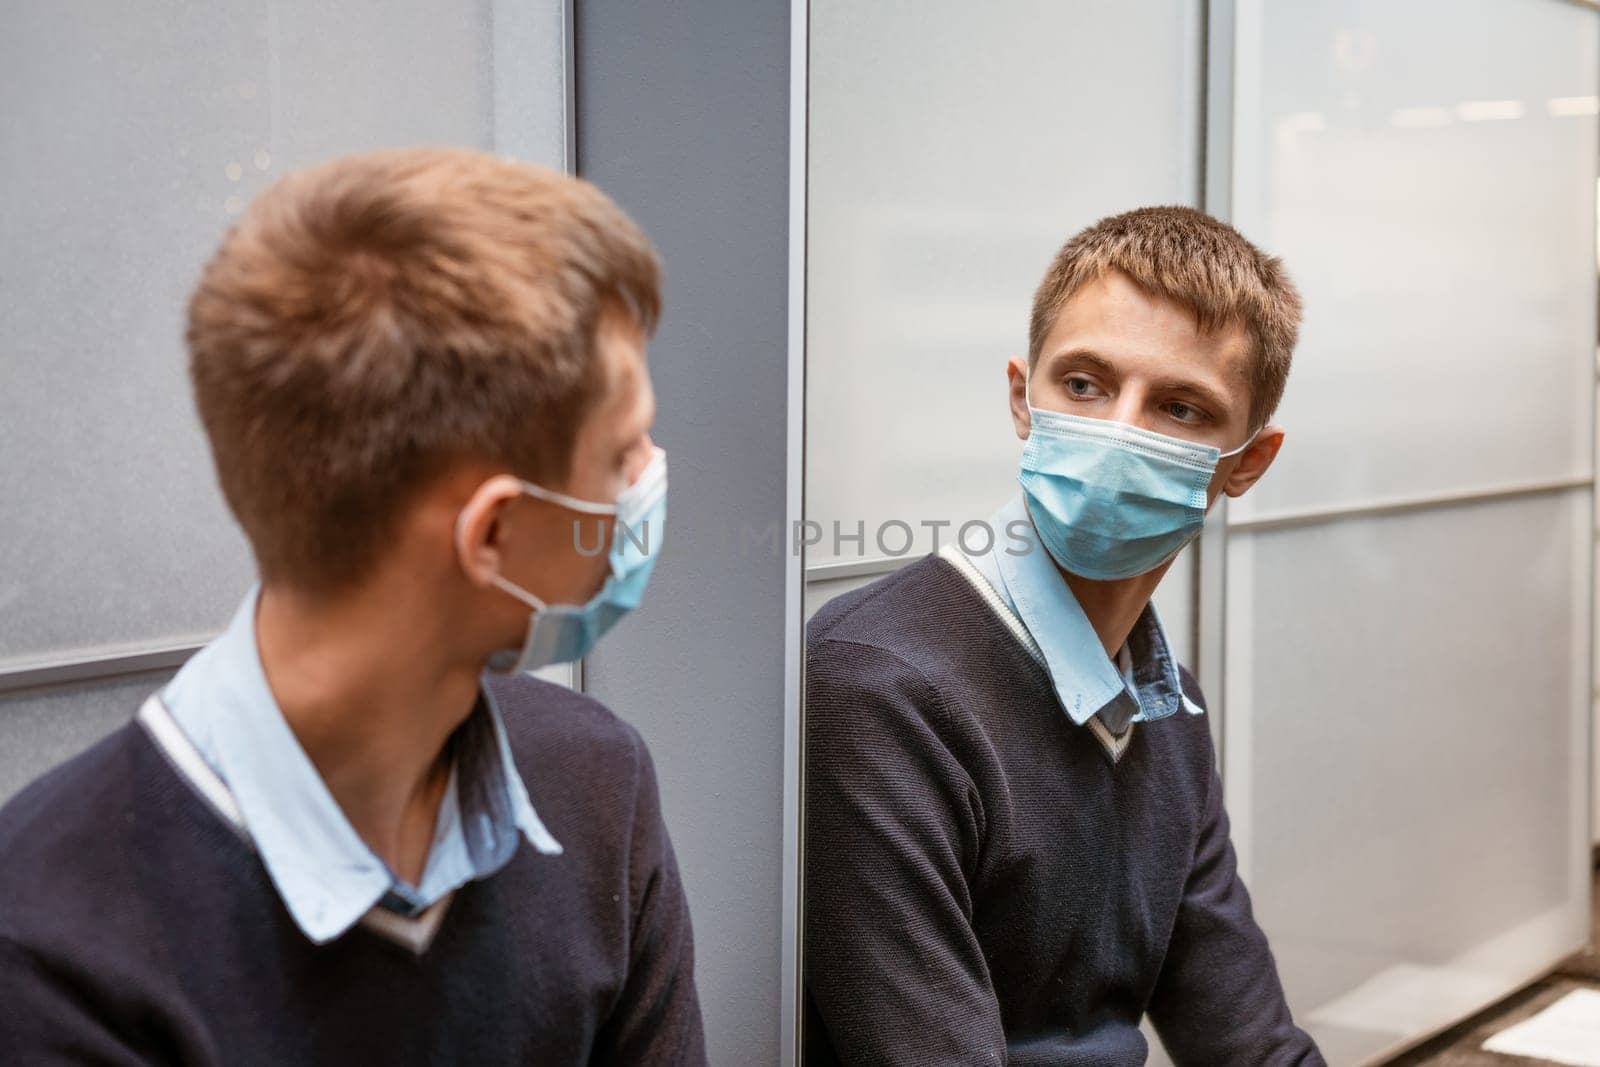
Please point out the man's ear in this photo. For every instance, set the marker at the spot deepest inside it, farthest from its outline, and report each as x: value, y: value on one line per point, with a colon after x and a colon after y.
x: 1017, y: 380
x: 1254, y: 461
x: 481, y: 528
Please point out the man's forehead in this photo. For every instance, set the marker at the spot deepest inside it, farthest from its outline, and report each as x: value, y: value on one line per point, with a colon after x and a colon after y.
x: 1121, y: 322
x: 626, y: 402
x: 620, y: 345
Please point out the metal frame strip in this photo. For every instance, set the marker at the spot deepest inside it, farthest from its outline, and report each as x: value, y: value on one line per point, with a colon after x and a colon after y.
x: 1283, y: 520
x: 791, y: 948
x: 1216, y: 199
x: 89, y: 668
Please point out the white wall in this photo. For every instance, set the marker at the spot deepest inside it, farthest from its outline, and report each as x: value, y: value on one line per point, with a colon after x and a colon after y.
x: 1407, y: 687
x: 683, y: 117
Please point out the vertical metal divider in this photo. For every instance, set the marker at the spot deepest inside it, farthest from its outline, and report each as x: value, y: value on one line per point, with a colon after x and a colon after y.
x: 1592, y: 704
x: 569, y: 163
x: 1216, y: 198
x: 569, y: 88
x: 791, y: 951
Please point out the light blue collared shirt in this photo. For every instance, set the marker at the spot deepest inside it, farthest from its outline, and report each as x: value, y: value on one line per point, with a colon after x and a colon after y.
x: 1087, y: 682
x: 325, y: 873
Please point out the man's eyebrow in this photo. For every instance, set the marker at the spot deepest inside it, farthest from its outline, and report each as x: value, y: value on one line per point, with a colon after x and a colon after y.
x: 1206, y: 395
x: 1081, y: 356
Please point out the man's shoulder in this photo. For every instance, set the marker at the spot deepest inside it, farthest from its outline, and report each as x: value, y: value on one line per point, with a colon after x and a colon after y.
x: 906, y: 614
x: 54, y: 833
x: 916, y: 654
x: 876, y: 606
x: 925, y: 625
x: 582, y: 765
x: 73, y: 794
x: 548, y: 720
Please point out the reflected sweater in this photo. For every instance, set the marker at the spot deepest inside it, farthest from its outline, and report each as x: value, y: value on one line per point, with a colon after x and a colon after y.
x: 988, y: 882
x: 138, y: 925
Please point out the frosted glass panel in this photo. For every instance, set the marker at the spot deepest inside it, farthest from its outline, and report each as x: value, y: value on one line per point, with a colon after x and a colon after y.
x: 1407, y: 697
x: 133, y: 135
x: 953, y: 148
x: 1427, y: 170
x: 1406, y: 760
x: 40, y: 728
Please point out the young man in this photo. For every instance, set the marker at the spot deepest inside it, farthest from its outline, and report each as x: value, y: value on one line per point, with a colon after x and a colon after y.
x: 333, y: 838
x: 1016, y: 846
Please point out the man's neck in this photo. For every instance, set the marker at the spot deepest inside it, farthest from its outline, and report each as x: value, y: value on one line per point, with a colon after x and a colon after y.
x: 371, y: 701
x: 1113, y: 608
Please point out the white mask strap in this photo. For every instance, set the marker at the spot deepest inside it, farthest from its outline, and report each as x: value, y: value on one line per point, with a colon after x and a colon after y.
x: 1247, y: 443
x: 517, y: 591
x: 587, y: 507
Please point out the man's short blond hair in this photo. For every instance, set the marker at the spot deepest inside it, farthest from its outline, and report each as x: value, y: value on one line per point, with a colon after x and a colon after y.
x: 371, y: 322
x: 1194, y: 260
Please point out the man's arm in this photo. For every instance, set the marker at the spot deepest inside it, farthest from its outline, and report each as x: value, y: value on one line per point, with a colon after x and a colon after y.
x: 1218, y: 998
x: 894, y: 970
x: 656, y: 1019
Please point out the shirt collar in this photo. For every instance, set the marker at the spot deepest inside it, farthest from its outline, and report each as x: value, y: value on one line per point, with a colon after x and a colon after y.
x: 325, y: 873
x: 1086, y: 681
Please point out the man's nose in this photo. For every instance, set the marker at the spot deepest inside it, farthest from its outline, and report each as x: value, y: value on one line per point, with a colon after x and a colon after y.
x: 642, y: 457
x: 1131, y: 406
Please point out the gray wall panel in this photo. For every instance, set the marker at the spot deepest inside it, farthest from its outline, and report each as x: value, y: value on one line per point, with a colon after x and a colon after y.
x: 682, y: 116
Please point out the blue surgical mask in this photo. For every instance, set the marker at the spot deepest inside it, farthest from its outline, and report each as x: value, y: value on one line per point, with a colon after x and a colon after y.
x: 1110, y: 500
x: 562, y: 633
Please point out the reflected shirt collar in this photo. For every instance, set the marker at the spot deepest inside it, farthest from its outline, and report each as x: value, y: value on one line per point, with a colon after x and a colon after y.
x: 1086, y: 681
x: 324, y: 872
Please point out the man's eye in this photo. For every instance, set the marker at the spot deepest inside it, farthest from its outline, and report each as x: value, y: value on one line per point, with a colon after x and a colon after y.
x: 1183, y: 412
x: 1080, y: 387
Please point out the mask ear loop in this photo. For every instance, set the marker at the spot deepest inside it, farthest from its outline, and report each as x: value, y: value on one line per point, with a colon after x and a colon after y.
x: 586, y: 507
x: 1247, y: 443
x: 1027, y: 398
x: 498, y: 580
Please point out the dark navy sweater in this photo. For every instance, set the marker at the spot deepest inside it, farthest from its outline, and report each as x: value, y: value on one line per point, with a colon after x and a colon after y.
x: 986, y: 884
x: 138, y: 926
